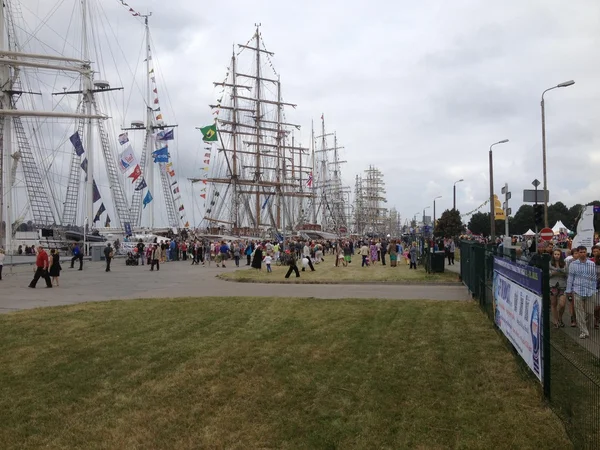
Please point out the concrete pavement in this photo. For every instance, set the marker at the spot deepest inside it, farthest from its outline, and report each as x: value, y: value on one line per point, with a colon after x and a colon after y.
x: 181, y: 279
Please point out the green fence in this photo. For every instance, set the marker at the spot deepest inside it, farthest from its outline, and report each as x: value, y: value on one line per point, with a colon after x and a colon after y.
x: 571, y: 366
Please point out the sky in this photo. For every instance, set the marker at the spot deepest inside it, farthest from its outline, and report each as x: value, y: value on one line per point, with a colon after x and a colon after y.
x: 418, y: 89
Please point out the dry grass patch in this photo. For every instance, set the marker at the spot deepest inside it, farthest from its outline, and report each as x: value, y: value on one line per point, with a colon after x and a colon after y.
x: 265, y: 373
x: 327, y: 273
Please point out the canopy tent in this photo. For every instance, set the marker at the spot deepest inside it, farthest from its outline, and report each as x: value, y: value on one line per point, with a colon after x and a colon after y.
x: 529, y: 233
x: 558, y: 227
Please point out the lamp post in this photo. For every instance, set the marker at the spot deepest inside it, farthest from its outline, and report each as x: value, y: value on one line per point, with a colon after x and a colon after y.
x: 454, y: 203
x: 492, y: 215
x: 426, y: 207
x: 439, y: 196
x: 560, y: 85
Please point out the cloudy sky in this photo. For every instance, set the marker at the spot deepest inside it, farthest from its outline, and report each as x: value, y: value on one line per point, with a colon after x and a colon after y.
x: 418, y: 89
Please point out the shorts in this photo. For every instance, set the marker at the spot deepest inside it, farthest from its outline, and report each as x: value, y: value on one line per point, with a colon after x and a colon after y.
x: 347, y: 258
x: 557, y: 291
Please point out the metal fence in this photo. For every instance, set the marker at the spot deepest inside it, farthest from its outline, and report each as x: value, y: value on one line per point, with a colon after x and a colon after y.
x: 571, y: 366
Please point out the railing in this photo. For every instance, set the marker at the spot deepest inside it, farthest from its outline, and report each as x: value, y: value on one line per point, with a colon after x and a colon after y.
x: 571, y: 365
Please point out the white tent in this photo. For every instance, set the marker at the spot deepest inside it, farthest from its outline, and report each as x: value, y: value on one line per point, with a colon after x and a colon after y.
x: 558, y: 227
x: 529, y: 233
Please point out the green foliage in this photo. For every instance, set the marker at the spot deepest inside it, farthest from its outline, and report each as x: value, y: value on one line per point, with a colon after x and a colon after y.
x: 524, y: 220
x: 480, y: 224
x: 449, y: 224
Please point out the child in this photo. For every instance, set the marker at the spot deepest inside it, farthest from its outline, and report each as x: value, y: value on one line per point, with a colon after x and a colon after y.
x: 268, y: 261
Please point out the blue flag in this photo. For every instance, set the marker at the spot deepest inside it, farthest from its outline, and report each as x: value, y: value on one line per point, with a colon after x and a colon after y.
x: 142, y: 185
x: 96, y: 191
x: 127, y: 228
x: 161, y: 155
x: 100, y: 211
x: 147, y: 198
x: 76, y: 141
x: 165, y: 136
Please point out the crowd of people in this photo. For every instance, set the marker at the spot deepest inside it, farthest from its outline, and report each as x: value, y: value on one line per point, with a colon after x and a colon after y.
x: 293, y: 253
x: 574, y: 283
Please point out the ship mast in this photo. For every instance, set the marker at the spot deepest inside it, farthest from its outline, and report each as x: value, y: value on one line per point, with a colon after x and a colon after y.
x: 255, y: 152
x: 8, y: 112
x: 5, y: 182
x: 148, y: 163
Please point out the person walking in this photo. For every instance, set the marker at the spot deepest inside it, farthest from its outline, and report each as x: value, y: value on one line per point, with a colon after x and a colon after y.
x: 413, y: 256
x: 581, y: 284
x: 140, y: 251
x: 108, y: 255
x: 41, y: 269
x: 55, y: 267
x: 2, y: 256
x: 293, y: 266
x: 364, y: 252
x: 306, y: 254
x: 383, y: 251
x: 77, y: 255
x: 155, y: 257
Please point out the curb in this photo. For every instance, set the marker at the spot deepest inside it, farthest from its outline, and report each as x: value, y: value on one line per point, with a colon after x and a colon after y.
x: 349, y: 282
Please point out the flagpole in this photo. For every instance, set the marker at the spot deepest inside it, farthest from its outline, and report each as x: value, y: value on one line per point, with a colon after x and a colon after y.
x: 84, y: 240
x: 312, y: 146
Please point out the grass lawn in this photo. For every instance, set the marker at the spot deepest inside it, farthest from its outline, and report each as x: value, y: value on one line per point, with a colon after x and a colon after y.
x: 253, y: 373
x: 327, y: 273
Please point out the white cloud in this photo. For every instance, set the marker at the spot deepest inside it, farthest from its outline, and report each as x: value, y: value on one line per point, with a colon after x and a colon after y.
x: 418, y: 89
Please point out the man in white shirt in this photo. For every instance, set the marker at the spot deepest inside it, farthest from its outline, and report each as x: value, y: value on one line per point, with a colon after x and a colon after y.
x: 306, y: 254
x: 581, y: 284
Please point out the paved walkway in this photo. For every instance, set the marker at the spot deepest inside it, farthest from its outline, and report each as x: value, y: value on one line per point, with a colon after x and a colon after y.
x: 181, y: 279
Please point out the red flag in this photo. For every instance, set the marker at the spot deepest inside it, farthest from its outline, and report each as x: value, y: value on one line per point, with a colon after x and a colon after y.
x: 203, y: 195
x: 207, y: 155
x: 155, y: 91
x: 135, y: 174
x: 155, y: 101
x: 207, y: 161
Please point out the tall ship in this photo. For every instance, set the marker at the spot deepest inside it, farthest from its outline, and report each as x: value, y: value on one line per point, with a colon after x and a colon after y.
x: 73, y: 167
x: 259, y: 177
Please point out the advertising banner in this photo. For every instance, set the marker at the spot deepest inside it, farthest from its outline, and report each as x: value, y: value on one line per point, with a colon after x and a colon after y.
x: 518, y: 309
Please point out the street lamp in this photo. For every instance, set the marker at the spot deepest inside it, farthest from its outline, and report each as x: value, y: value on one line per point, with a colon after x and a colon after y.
x: 492, y: 215
x: 454, y: 204
x: 560, y: 85
x: 427, y: 207
x: 439, y: 196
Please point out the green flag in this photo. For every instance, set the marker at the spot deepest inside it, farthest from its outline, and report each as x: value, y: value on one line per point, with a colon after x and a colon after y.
x: 209, y: 133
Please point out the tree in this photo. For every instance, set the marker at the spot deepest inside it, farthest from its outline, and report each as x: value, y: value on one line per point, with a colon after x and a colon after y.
x: 523, y: 220
x: 480, y: 224
x: 449, y: 224
x: 573, y: 217
x: 557, y: 211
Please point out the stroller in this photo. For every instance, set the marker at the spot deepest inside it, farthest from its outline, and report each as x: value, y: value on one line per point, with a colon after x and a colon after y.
x: 132, y: 260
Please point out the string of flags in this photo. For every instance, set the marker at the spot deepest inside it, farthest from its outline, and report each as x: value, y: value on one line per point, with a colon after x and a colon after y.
x: 476, y: 209
x: 79, y: 150
x: 130, y: 9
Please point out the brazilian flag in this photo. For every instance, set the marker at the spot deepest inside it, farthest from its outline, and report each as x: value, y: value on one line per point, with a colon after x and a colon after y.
x: 209, y: 133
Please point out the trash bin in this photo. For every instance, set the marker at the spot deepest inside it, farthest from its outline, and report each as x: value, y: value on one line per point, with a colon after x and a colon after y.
x: 96, y: 254
x: 436, y: 262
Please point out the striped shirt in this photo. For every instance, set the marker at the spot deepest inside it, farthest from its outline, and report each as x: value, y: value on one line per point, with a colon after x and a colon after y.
x: 582, y: 278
